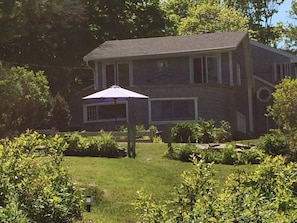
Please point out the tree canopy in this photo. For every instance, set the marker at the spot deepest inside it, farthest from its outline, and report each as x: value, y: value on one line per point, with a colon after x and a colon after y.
x: 24, y: 99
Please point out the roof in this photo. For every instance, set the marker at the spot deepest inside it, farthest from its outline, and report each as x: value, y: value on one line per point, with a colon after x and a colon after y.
x: 165, y: 45
x: 293, y: 57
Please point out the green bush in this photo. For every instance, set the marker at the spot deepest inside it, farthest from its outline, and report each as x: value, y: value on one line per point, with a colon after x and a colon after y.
x: 103, y: 145
x: 203, y: 132
x: 183, y: 132
x: 223, y: 133
x: 275, y: 143
x: 228, y: 155
x: 34, y: 186
x: 266, y: 194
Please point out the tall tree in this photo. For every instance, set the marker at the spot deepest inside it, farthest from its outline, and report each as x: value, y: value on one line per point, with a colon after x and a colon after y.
x: 211, y: 16
x: 49, y: 35
x: 260, y: 13
x: 24, y: 99
x: 176, y: 10
x: 291, y: 29
x: 120, y: 19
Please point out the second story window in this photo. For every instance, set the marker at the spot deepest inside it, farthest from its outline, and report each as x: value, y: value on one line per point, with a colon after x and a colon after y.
x: 206, y: 69
x: 117, y: 73
x: 281, y: 70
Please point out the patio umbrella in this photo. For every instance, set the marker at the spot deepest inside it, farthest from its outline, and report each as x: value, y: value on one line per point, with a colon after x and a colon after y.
x: 115, y: 93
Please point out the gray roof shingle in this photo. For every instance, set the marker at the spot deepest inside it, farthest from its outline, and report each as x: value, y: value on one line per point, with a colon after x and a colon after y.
x: 165, y: 45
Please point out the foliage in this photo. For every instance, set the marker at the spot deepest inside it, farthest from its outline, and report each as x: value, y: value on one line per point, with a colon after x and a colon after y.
x: 223, y: 133
x: 275, y: 143
x: 204, y: 131
x: 60, y: 113
x: 227, y: 155
x: 183, y: 132
x: 35, y: 182
x: 103, y: 145
x: 210, y: 17
x: 284, y: 110
x: 266, y: 194
x: 259, y: 14
x: 24, y: 99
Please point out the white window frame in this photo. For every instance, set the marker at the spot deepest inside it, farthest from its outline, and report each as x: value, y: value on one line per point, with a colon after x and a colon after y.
x: 85, y: 112
x: 195, y: 100
x: 284, y: 71
x: 241, y: 122
x: 204, y: 59
x: 116, y: 72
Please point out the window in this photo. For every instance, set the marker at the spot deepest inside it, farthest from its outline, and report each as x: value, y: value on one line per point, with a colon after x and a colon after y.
x: 162, y: 66
x: 173, y: 109
x: 241, y: 122
x: 105, y: 112
x: 281, y: 70
x: 118, y: 74
x: 206, y: 69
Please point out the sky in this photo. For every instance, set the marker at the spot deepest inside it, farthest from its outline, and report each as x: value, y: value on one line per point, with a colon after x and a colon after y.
x: 283, y: 14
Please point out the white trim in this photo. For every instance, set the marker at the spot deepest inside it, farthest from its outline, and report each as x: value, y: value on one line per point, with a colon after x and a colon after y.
x: 116, y: 71
x: 264, y: 81
x: 151, y: 122
x: 96, y: 76
x: 251, y: 117
x: 231, y: 68
x: 259, y: 96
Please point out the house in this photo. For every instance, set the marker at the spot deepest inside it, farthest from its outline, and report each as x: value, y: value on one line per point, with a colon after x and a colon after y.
x: 219, y: 76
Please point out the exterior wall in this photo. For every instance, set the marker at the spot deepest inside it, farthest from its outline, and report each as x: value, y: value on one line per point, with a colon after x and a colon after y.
x: 264, y: 60
x: 148, y: 72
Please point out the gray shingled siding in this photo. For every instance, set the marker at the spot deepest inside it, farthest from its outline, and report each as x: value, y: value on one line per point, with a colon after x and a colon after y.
x: 264, y: 60
x: 147, y: 72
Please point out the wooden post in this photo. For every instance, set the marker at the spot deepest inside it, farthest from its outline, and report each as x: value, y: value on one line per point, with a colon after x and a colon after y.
x: 131, y: 141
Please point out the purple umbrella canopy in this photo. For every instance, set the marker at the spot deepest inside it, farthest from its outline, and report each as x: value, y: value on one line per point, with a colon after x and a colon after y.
x: 115, y: 93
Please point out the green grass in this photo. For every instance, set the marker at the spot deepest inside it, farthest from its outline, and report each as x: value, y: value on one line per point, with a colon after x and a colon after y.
x: 120, y: 179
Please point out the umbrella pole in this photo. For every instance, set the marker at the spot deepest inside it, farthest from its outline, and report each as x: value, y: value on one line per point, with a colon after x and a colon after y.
x: 115, y: 115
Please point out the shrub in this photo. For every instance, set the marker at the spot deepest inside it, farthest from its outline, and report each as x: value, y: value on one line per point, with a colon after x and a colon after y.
x: 108, y: 146
x: 229, y: 155
x: 183, y: 132
x: 185, y: 152
x: 35, y: 183
x: 103, y: 145
x: 205, y: 130
x: 275, y: 143
x: 223, y: 133
x: 266, y: 194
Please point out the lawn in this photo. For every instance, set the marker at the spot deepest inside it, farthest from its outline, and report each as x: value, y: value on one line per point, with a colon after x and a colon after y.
x: 120, y: 179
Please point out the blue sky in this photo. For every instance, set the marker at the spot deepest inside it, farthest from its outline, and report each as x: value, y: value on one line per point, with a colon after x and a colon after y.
x: 283, y: 15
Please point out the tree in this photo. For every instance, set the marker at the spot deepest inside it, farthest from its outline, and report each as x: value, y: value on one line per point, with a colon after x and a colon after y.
x: 259, y: 14
x: 290, y: 32
x: 24, y: 99
x: 211, y: 17
x: 284, y: 109
x: 48, y: 35
x: 175, y: 11
x: 121, y: 19
x: 60, y: 113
